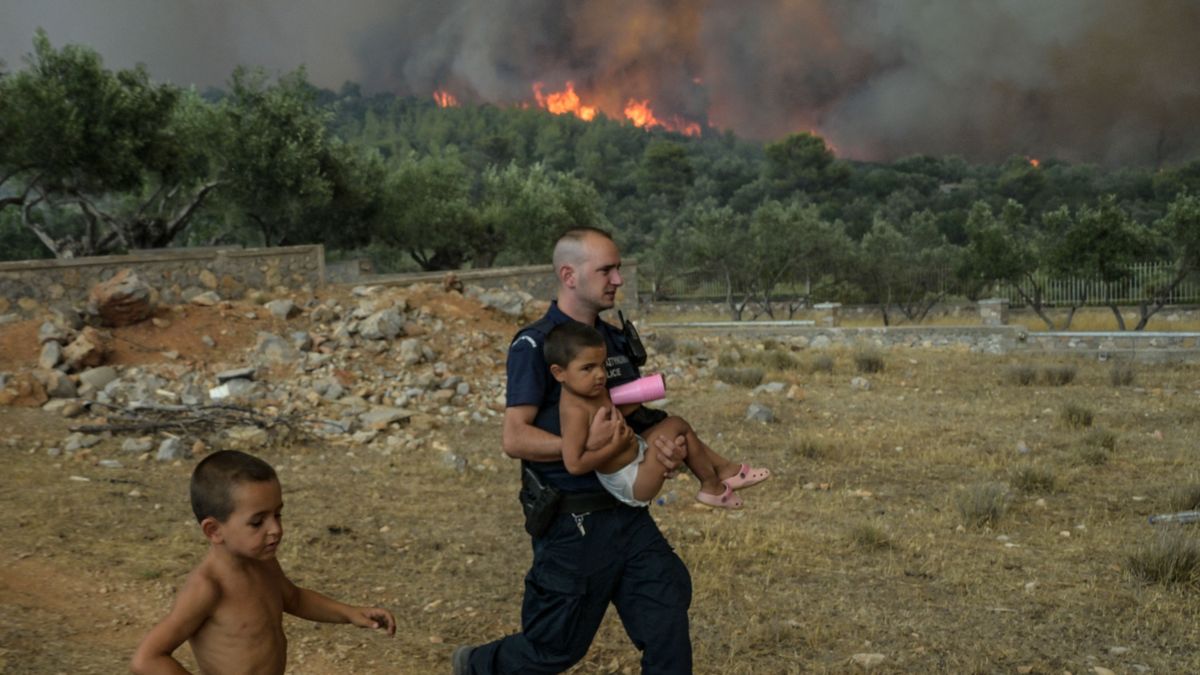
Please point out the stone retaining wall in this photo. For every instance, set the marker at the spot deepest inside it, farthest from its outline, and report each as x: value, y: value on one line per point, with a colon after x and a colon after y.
x: 536, y: 280
x: 27, y: 285
x: 1157, y: 346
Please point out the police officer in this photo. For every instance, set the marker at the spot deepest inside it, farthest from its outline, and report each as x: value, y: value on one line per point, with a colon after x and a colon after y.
x: 588, y: 549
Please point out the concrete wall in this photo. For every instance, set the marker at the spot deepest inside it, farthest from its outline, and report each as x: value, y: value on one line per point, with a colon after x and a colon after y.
x: 27, y: 285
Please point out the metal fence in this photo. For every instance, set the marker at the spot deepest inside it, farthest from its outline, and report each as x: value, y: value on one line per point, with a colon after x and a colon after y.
x: 1058, y: 290
x: 1132, y: 290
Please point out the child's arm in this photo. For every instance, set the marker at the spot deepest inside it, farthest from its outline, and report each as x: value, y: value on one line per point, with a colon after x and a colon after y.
x: 193, y: 606
x: 575, y: 425
x: 313, y: 606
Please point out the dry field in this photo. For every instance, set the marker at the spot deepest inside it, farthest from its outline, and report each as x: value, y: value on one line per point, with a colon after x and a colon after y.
x: 871, y: 538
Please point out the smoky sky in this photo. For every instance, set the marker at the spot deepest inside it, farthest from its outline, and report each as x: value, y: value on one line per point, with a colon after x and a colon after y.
x: 1108, y: 81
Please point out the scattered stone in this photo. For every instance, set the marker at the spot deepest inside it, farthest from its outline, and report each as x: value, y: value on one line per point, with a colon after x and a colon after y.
x: 383, y: 416
x: 301, y: 340
x: 110, y: 464
x: 208, y: 279
x: 56, y: 383
x: 72, y: 409
x: 282, y: 309
x: 123, y: 300
x: 795, y: 393
x: 454, y: 462
x: 235, y: 390
x: 1101, y: 670
x: 51, y: 332
x: 172, y: 449
x: 365, y: 436
x: 50, y: 356
x: 411, y: 351
x: 768, y: 388
x: 382, y: 325
x: 246, y: 373
x: 861, y: 384
x: 208, y: 341
x: 1022, y: 448
x: 206, y: 299
x: 508, y: 302
x: 1118, y: 651
x: 87, y: 350
x: 867, y: 661
x: 246, y: 437
x: 160, y: 322
x: 23, y: 390
x: 272, y: 349
x: 98, y: 378
x: 137, y: 445
x: 821, y: 342
x: 758, y: 412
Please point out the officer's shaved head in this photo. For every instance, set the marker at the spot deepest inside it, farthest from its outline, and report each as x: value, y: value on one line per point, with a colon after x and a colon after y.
x: 569, y: 249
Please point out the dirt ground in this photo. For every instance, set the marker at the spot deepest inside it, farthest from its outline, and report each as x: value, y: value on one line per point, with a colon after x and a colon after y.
x: 855, y: 546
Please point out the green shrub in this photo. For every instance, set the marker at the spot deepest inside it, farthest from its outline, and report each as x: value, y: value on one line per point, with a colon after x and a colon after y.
x: 1076, y: 416
x: 982, y: 503
x: 1092, y: 455
x: 808, y: 448
x: 691, y: 348
x: 1030, y: 478
x: 821, y: 363
x: 663, y: 344
x: 1184, y: 498
x: 870, y: 536
x: 1101, y: 438
x: 868, y: 361
x: 1021, y: 375
x: 774, y: 360
x: 1122, y: 374
x: 1172, y: 556
x: 1058, y: 376
x: 742, y: 377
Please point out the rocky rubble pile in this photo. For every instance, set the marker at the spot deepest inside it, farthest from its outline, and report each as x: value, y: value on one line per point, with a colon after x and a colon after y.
x: 380, y: 367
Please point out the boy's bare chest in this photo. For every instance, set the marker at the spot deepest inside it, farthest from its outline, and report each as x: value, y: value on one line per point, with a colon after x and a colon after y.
x: 250, y: 604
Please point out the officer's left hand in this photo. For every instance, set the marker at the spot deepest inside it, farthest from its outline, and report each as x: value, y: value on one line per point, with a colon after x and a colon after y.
x: 671, y: 452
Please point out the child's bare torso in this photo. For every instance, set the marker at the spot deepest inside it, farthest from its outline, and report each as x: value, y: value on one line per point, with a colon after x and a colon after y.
x: 244, y: 634
x: 591, y: 406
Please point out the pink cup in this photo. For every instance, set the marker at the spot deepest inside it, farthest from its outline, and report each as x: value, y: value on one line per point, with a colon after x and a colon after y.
x: 648, y: 388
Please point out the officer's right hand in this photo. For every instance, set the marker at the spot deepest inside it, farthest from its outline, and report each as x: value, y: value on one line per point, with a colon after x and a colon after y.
x: 605, y: 425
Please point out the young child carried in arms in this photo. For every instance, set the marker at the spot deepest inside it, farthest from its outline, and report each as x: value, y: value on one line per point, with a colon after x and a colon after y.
x: 576, y: 354
x: 231, y: 606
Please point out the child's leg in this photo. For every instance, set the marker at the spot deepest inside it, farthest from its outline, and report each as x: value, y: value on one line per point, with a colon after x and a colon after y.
x: 652, y: 472
x: 699, y: 458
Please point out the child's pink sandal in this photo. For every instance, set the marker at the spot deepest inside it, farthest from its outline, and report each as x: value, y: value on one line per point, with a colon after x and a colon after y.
x: 747, y: 476
x: 725, y: 500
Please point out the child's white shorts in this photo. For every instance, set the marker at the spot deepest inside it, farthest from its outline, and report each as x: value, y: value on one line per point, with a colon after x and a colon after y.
x: 620, y: 483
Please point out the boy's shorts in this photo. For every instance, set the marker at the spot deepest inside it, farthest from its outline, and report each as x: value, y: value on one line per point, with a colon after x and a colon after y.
x: 620, y: 483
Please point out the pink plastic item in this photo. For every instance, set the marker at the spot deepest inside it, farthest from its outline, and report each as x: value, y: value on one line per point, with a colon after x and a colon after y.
x: 648, y: 388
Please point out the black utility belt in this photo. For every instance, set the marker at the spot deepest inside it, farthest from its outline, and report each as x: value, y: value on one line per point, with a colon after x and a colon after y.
x: 586, y: 502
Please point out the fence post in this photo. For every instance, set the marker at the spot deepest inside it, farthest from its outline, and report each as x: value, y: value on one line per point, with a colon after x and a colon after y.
x: 994, y: 312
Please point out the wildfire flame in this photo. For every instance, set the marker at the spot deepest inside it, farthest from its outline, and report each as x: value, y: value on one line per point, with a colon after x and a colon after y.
x: 445, y: 99
x: 1034, y: 162
x: 562, y: 102
x: 637, y: 112
x: 640, y: 114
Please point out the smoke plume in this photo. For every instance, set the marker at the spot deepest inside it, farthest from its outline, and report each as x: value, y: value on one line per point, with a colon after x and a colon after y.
x: 1109, y: 81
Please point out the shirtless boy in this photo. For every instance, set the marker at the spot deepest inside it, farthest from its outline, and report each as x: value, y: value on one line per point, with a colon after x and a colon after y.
x: 231, y: 606
x: 576, y: 355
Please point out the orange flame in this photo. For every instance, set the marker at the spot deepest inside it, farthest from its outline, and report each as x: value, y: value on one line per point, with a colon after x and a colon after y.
x: 562, y: 102
x: 1034, y: 162
x: 445, y: 99
x: 640, y: 114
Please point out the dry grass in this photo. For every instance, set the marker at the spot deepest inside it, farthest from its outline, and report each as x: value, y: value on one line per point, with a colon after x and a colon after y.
x: 1170, y: 557
x: 868, y: 361
x: 1058, y: 376
x: 741, y: 377
x: 1076, y: 416
x: 790, y: 584
x: 1122, y: 374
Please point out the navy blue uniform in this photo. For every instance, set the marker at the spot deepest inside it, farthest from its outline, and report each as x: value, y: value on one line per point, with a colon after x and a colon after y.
x: 613, y: 555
